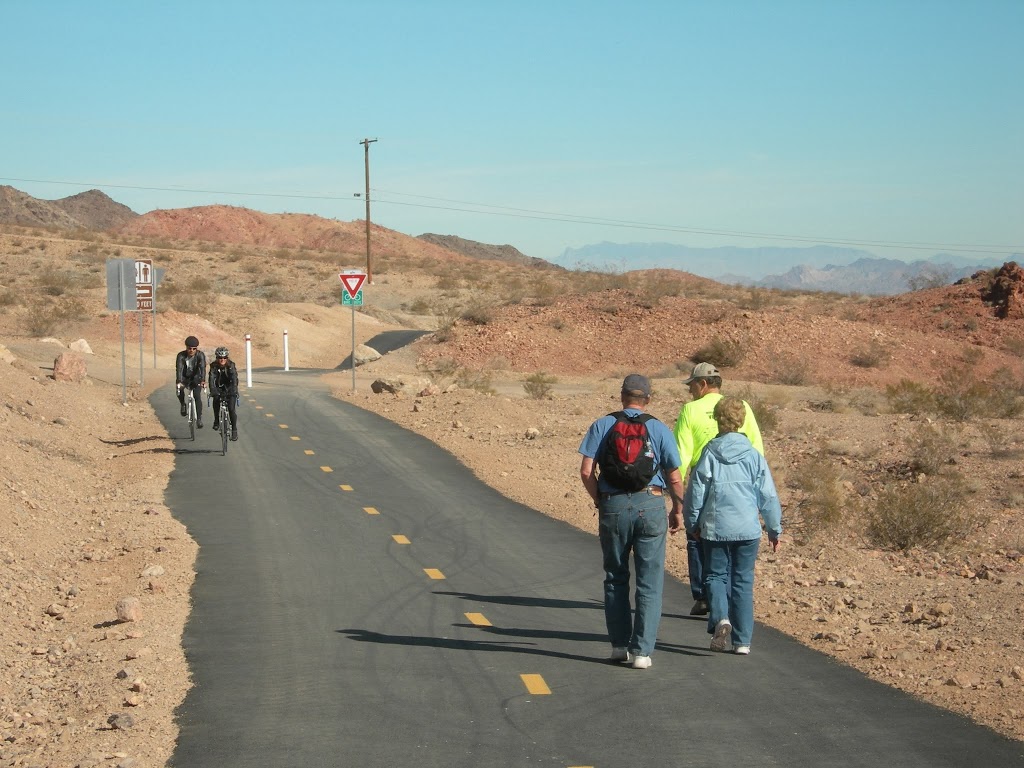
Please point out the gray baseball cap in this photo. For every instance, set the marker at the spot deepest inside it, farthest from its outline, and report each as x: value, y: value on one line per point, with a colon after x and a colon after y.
x: 702, y: 371
x: 637, y: 385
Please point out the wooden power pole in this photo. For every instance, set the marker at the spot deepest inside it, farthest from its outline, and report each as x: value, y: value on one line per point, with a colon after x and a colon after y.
x: 366, y: 147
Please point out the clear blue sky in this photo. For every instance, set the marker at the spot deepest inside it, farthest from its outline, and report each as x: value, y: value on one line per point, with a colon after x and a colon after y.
x: 888, y: 121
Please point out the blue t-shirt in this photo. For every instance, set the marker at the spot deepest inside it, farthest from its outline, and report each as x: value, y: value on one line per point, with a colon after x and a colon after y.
x: 666, y: 452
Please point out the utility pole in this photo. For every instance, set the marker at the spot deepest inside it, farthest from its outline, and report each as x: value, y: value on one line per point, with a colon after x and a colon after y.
x: 366, y: 147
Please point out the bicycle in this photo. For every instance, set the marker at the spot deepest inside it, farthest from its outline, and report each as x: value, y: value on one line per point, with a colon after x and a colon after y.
x: 223, y: 420
x: 190, y: 412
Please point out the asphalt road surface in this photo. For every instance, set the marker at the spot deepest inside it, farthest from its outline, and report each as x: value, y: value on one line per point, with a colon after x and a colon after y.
x: 361, y: 599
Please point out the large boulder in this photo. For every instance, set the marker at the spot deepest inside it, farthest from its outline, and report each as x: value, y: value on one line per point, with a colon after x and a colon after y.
x: 365, y: 354
x: 81, y: 346
x: 1006, y: 292
x: 70, y: 366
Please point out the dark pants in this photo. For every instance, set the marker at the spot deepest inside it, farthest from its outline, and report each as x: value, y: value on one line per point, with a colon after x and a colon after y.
x: 231, y: 409
x: 197, y: 392
x: 695, y: 563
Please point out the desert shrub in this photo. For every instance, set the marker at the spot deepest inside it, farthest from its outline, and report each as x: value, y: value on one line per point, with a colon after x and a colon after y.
x: 55, y: 283
x: 1014, y: 347
x: 479, y: 313
x: 921, y: 515
x: 538, y: 385
x: 724, y: 353
x: 191, y: 301
x: 479, y: 381
x: 440, y: 369
x: 909, y: 397
x: 932, y: 447
x: 874, y: 355
x: 962, y: 397
x: 766, y: 414
x: 824, y: 503
x: 447, y: 316
x: 790, y: 370
x: 419, y: 307
x: 9, y: 298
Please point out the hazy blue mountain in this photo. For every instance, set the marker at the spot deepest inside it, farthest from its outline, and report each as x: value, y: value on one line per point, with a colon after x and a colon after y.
x: 871, y: 276
x: 814, y: 268
x: 752, y: 263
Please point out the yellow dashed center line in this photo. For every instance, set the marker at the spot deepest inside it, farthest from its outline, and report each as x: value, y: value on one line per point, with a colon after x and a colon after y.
x: 326, y: 469
x: 259, y: 407
x: 296, y: 437
x: 269, y: 415
x: 535, y: 684
x: 400, y: 539
x: 478, y: 620
x: 434, y: 573
x: 370, y: 510
x: 345, y: 487
x: 308, y: 452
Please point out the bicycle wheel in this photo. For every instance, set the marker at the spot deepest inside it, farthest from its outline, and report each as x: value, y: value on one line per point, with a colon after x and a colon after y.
x: 224, y: 419
x: 192, y: 417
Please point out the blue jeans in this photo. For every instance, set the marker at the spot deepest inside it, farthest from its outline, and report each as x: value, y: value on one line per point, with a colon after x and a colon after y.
x: 695, y: 566
x: 729, y: 579
x: 637, y: 523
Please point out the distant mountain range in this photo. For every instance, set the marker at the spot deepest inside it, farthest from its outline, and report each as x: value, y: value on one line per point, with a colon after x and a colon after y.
x: 815, y: 268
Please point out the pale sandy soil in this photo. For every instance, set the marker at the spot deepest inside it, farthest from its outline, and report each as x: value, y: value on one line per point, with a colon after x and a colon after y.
x: 85, y: 526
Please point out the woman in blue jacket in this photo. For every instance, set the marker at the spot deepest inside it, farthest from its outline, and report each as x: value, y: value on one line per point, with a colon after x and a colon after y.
x: 729, y: 487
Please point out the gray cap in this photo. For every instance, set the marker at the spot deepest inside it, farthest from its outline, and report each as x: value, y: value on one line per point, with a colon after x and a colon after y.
x: 635, y: 384
x: 702, y: 371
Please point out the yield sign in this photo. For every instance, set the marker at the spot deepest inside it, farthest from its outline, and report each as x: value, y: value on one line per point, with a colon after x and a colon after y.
x: 352, y: 281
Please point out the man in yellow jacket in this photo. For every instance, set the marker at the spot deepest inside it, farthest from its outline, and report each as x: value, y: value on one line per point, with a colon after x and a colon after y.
x: 695, y: 428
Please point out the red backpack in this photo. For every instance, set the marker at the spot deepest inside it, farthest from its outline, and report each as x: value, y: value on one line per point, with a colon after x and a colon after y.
x: 626, y: 458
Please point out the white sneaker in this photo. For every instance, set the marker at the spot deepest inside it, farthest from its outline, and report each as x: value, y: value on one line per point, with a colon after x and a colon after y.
x: 742, y: 650
x: 619, y: 654
x: 721, y: 636
x: 641, y: 662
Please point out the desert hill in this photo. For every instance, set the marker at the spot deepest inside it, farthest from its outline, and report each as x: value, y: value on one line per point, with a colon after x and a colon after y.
x: 477, y: 250
x: 91, y: 210
x: 939, y: 618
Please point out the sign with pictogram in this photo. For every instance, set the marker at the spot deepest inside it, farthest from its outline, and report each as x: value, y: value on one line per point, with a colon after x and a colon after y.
x: 353, y: 280
x: 144, y: 284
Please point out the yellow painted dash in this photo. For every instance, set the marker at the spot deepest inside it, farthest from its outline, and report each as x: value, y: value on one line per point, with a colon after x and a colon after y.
x: 434, y: 573
x: 326, y: 469
x: 371, y: 510
x: 269, y: 415
x: 296, y: 437
x: 535, y: 684
x: 478, y: 620
x: 308, y: 452
x: 259, y: 407
x: 400, y: 539
x: 345, y: 487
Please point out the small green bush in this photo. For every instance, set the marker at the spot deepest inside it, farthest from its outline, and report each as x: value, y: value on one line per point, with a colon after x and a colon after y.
x: 538, y: 385
x: 910, y: 397
x: 874, y: 355
x: 824, y: 504
x: 791, y: 371
x: 479, y: 313
x: 479, y: 381
x: 766, y: 415
x: 933, y: 447
x: 724, y: 353
x: 921, y: 515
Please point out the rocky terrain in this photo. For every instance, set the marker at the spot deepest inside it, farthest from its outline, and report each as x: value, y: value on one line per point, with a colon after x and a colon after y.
x: 96, y: 572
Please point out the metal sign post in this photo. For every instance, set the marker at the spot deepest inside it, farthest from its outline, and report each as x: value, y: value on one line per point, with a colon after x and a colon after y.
x: 352, y: 294
x: 120, y: 294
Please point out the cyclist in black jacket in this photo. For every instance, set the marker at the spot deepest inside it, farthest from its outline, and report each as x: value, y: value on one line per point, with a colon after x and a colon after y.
x: 190, y: 371
x: 224, y: 384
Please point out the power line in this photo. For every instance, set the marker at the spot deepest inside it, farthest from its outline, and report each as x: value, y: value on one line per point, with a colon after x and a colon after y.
x: 527, y: 213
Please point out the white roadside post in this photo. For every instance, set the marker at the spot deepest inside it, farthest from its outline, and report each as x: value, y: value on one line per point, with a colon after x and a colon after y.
x: 286, y: 349
x: 248, y: 360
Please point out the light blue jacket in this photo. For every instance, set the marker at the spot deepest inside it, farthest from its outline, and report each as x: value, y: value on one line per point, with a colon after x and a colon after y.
x: 728, y: 488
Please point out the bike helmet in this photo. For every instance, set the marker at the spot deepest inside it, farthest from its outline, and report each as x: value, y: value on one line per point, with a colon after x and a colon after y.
x: 222, y: 352
x: 191, y: 341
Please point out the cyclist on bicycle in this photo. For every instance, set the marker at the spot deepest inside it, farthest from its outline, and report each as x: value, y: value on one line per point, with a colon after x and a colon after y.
x: 224, y: 384
x: 190, y: 372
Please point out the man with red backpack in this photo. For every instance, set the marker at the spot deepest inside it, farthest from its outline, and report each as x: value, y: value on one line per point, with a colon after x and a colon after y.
x: 630, y: 461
